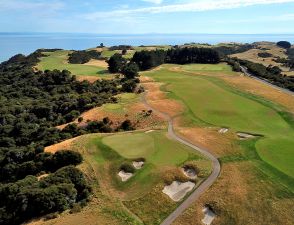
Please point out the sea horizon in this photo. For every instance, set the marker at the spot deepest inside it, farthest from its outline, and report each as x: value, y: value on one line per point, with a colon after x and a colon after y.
x: 12, y: 43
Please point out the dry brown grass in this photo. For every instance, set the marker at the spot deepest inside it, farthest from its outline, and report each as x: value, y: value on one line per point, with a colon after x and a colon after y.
x: 258, y: 88
x: 67, y: 144
x: 240, y: 197
x: 91, y: 79
x: 95, y: 62
x: 276, y: 51
x: 157, y: 99
x: 144, y: 79
x: 133, y: 112
x: 205, y: 136
x: 242, y: 194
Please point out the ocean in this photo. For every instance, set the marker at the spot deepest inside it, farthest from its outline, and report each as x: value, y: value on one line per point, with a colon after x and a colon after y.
x: 26, y: 43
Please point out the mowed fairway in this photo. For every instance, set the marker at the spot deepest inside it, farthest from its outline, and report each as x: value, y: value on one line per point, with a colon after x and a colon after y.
x: 209, y: 100
x: 58, y: 60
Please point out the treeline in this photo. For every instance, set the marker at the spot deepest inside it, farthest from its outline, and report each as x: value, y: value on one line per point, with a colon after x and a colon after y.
x: 31, y: 105
x: 145, y: 60
x: 82, y: 57
x: 192, y: 55
x: 121, y: 47
x: 30, y: 197
x: 225, y: 50
x: 271, y: 73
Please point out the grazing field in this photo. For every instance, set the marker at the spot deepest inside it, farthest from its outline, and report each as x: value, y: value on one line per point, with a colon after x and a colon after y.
x: 58, y: 60
x: 211, y: 101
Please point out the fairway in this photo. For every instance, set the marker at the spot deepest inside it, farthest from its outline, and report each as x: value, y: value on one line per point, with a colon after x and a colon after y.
x: 207, y: 67
x: 58, y: 60
x: 209, y: 100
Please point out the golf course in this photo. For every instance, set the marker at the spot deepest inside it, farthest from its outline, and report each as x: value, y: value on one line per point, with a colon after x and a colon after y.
x: 209, y: 101
x: 230, y: 132
x: 58, y: 60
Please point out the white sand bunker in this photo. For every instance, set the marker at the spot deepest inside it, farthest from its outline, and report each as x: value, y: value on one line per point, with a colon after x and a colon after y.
x: 178, y: 190
x: 190, y: 172
x: 209, y: 216
x: 124, y: 176
x: 138, y: 164
x: 223, y: 130
x: 243, y: 136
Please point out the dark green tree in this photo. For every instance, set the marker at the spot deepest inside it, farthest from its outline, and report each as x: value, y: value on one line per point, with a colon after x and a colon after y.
x: 116, y: 63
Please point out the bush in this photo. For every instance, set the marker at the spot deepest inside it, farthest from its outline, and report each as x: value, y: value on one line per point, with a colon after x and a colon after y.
x: 284, y: 44
x: 264, y: 55
x: 131, y: 70
x: 81, y: 57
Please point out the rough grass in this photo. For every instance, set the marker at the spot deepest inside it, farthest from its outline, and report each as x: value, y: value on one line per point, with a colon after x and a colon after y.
x: 225, y: 107
x: 58, y: 60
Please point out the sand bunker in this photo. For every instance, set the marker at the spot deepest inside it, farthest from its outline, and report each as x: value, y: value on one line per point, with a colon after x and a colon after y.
x: 209, y: 216
x: 148, y: 131
x: 243, y: 136
x: 178, y: 190
x: 223, y: 130
x: 138, y: 164
x: 124, y: 176
x: 190, y: 172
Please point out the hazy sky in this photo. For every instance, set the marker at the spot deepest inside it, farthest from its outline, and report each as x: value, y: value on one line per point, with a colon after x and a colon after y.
x: 148, y: 16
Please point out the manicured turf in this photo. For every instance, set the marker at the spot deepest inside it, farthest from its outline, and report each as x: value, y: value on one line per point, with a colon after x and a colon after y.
x: 156, y: 148
x: 58, y: 60
x: 131, y: 145
x: 210, y: 100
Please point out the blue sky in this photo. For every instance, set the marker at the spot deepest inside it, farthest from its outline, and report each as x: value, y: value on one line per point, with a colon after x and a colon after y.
x: 148, y: 16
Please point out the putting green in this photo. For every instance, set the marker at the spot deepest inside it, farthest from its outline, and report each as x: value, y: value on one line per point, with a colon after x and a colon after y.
x: 155, y: 147
x: 208, y: 99
x: 160, y: 154
x: 131, y: 145
x: 58, y: 60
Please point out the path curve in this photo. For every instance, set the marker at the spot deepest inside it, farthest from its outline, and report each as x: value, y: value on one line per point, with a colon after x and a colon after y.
x: 249, y: 74
x: 204, y: 185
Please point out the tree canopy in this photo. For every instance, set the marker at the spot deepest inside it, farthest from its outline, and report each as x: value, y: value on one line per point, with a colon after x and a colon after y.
x: 284, y: 44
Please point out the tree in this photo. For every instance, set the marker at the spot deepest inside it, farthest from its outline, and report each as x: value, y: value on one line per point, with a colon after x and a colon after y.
x: 124, y: 52
x: 284, y: 44
x: 131, y: 70
x: 101, y: 45
x: 116, y: 63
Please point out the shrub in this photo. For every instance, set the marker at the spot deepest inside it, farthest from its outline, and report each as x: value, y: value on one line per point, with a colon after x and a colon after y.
x: 284, y: 44
x: 264, y: 55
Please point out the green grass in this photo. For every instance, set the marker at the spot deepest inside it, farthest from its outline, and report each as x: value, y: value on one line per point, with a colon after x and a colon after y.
x: 158, y: 151
x: 58, y: 60
x: 207, y: 67
x: 209, y: 100
x: 155, y: 147
x: 109, y: 53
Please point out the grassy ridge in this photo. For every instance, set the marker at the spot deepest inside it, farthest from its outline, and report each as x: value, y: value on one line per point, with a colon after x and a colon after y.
x: 58, y: 60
